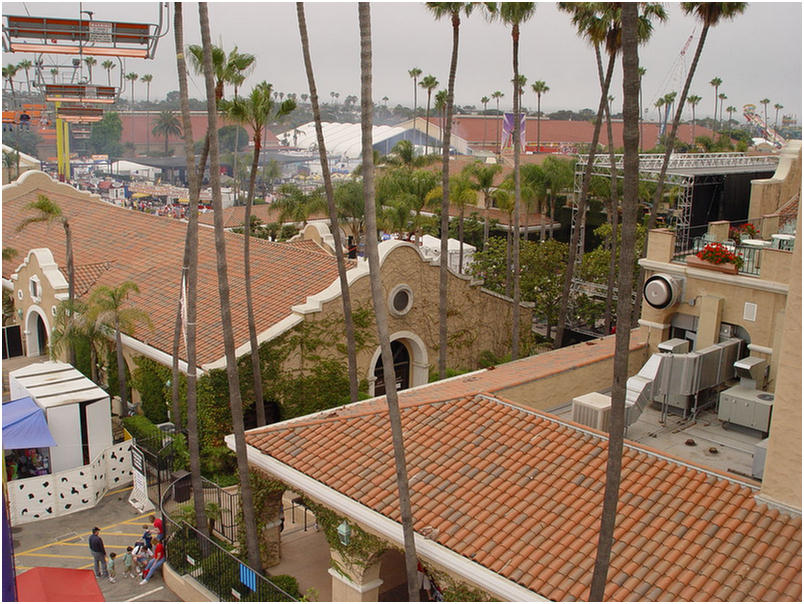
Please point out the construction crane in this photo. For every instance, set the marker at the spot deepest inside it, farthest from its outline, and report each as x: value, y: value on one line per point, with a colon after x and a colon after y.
x: 673, y: 81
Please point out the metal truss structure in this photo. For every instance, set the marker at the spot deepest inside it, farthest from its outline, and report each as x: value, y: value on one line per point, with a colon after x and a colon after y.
x: 684, y: 171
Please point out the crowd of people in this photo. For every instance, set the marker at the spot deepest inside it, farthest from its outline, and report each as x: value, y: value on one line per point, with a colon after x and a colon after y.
x: 140, y: 560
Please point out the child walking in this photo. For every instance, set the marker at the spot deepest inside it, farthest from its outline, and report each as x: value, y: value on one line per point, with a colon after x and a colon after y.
x: 112, y: 571
x: 128, y: 562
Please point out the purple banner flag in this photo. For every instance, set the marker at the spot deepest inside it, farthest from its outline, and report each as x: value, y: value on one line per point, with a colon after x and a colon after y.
x: 508, y: 130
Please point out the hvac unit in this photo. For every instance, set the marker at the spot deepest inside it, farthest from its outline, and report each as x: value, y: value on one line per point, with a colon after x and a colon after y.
x: 747, y: 407
x: 663, y: 291
x: 675, y: 345
x: 592, y: 410
x: 760, y: 453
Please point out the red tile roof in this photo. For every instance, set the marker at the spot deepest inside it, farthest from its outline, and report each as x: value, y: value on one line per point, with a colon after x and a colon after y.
x: 471, y: 128
x: 112, y: 244
x: 519, y: 492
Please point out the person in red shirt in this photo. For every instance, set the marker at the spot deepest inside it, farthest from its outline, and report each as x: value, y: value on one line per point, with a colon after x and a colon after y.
x: 157, y: 561
x: 160, y: 528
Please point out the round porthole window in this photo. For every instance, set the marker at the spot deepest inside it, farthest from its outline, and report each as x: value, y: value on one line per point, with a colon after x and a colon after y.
x: 401, y: 300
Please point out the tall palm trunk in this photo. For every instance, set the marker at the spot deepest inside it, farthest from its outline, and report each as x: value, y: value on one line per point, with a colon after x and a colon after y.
x: 427, y: 127
x: 235, y: 402
x: 487, y: 206
x: 625, y: 282
x: 613, y: 206
x: 191, y: 271
x: 517, y: 196
x: 443, y: 268
x: 256, y: 365
x: 68, y: 237
x: 587, y: 177
x: 669, y: 144
x: 121, y: 364
x: 460, y: 241
x: 346, y: 296
x: 380, y: 309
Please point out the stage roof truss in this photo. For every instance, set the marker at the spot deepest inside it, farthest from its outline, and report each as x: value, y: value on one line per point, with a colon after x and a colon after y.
x: 23, y: 33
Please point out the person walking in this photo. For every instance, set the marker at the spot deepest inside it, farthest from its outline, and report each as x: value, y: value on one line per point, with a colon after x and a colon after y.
x: 98, y: 553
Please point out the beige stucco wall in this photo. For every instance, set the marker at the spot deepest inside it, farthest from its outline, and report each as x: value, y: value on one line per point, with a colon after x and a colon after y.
x: 38, y: 265
x: 478, y: 320
x: 782, y: 479
x: 707, y: 291
x: 550, y: 391
x: 769, y: 194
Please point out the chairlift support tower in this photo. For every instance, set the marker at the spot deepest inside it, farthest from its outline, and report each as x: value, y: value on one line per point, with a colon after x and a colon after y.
x: 79, y: 37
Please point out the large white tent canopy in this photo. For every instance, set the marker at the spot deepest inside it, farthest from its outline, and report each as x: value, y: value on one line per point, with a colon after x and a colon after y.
x: 343, y: 140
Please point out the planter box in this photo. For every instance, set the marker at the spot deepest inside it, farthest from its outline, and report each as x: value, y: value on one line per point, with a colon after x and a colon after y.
x: 694, y: 261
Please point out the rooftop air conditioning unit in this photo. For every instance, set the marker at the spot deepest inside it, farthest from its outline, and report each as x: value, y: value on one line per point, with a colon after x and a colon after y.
x: 675, y: 345
x: 592, y: 410
x: 663, y: 291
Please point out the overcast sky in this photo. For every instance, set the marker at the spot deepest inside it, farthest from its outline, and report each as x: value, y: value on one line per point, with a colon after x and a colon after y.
x: 756, y: 55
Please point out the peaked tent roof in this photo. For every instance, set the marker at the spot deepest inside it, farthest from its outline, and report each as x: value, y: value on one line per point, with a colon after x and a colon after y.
x: 24, y: 425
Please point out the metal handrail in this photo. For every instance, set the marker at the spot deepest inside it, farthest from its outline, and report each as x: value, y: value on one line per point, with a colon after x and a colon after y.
x: 190, y: 552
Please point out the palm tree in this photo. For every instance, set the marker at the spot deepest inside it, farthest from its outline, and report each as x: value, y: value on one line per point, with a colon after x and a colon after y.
x: 722, y: 97
x: 485, y: 102
x: 693, y: 100
x: 777, y: 106
x: 188, y: 289
x: 132, y: 77
x: 601, y: 25
x: 346, y: 296
x: 108, y: 65
x: 497, y: 95
x: 659, y: 104
x: 462, y: 194
x: 630, y: 41
x: 256, y: 110
x: 235, y: 400
x: 108, y: 309
x: 540, y: 88
x: 429, y: 83
x: 50, y: 212
x: 9, y: 71
x: 71, y: 326
x: 147, y: 78
x: 669, y: 101
x: 514, y: 14
x: 26, y: 65
x: 559, y: 174
x: 380, y: 308
x: 731, y: 109
x: 90, y: 63
x: 440, y: 107
x: 452, y: 10
x: 765, y: 102
x: 167, y: 125
x: 54, y: 72
x: 642, y: 72
x: 483, y: 175
x: 714, y: 82
x: 710, y: 14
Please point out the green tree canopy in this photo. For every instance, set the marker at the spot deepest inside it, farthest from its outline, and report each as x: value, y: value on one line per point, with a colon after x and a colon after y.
x: 105, y: 136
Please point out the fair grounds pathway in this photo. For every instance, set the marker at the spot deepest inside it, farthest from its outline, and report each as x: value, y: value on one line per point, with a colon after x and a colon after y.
x: 64, y: 542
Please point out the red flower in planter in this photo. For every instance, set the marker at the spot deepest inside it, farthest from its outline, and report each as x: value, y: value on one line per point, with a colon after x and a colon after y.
x: 717, y: 253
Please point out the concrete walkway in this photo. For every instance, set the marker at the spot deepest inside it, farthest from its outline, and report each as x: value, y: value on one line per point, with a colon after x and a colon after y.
x: 63, y: 542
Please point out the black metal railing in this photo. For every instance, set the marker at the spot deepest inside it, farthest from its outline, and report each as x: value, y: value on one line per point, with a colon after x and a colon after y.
x: 220, y: 505
x: 190, y: 552
x: 749, y: 254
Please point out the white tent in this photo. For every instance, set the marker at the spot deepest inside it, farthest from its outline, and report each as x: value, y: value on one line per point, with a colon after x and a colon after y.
x: 77, y: 410
x: 130, y: 168
x: 342, y: 140
x: 431, y: 248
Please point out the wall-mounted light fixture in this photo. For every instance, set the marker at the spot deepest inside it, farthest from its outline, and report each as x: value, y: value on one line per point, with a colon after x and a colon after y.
x: 344, y: 533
